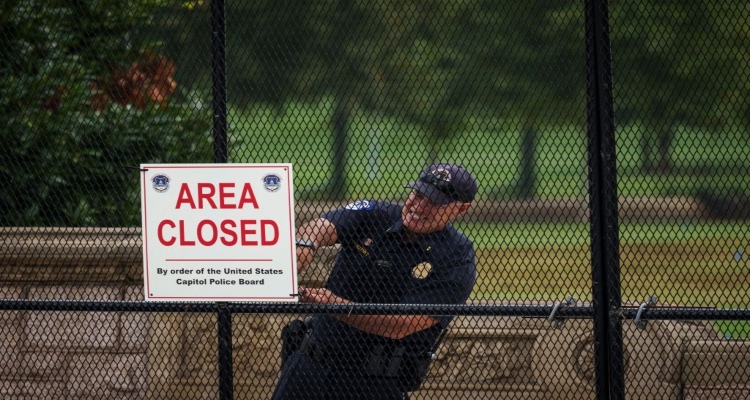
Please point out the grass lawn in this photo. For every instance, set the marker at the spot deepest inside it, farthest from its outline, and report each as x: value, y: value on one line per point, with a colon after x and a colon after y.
x: 689, y: 265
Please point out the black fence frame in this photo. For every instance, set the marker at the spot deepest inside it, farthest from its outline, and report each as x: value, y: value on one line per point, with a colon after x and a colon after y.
x: 606, y: 310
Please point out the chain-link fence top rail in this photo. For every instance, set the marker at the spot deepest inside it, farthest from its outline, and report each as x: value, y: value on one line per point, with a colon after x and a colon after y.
x: 361, y: 97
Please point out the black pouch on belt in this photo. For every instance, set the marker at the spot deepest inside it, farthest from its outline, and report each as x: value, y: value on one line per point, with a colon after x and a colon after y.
x: 409, y: 370
x: 291, y: 338
x: 413, y: 371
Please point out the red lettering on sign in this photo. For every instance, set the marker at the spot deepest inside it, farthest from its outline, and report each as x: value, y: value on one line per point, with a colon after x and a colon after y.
x: 214, y: 233
x: 224, y: 195
x: 247, y: 197
x: 264, y: 238
x: 183, y: 240
x: 225, y: 228
x: 205, y: 192
x: 185, y: 197
x: 245, y: 230
x: 160, y: 232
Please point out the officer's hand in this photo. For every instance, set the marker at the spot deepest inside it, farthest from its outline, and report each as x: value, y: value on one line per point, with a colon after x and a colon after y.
x: 320, y: 296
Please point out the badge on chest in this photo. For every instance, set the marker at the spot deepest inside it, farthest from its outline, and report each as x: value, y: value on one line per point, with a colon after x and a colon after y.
x: 421, y: 270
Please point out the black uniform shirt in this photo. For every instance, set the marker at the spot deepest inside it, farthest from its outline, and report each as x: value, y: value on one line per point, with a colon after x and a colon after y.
x: 377, y: 264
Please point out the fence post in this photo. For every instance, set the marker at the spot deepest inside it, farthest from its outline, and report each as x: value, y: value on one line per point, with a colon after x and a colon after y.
x: 608, y: 351
x: 221, y: 155
x: 224, y: 322
x: 219, y: 79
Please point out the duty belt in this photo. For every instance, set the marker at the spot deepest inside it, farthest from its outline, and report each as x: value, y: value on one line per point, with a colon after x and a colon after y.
x: 376, y: 362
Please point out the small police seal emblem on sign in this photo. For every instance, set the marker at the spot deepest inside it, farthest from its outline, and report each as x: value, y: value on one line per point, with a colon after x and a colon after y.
x: 272, y: 182
x: 160, y: 183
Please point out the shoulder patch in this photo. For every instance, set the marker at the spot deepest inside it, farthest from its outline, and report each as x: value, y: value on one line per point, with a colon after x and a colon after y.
x: 361, y: 205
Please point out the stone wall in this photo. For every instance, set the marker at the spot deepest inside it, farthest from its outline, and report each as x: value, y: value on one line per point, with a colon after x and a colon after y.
x: 95, y: 355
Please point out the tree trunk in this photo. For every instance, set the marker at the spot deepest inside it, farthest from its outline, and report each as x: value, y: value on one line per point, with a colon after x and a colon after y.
x: 647, y: 157
x: 660, y: 161
x: 664, y: 161
x: 527, y: 180
x: 337, y: 186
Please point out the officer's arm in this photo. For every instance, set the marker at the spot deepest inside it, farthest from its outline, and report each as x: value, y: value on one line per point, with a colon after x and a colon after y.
x: 390, y: 326
x: 320, y: 232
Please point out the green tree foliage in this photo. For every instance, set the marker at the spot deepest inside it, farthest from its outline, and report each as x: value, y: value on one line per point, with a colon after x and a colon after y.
x: 521, y: 63
x: 440, y: 64
x: 679, y: 63
x: 83, y: 104
x: 431, y: 63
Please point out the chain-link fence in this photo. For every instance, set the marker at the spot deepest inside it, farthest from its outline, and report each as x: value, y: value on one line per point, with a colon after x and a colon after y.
x: 603, y: 254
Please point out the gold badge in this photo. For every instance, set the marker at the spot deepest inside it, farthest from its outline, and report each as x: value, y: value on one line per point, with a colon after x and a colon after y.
x: 421, y: 270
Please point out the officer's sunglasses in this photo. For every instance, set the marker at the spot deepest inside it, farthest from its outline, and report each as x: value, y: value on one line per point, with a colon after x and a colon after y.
x: 444, y: 186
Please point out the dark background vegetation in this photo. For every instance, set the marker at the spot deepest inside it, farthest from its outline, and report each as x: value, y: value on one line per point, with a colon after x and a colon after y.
x: 90, y: 88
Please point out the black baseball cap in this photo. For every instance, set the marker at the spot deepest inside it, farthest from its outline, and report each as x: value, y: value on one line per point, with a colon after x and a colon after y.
x: 446, y: 183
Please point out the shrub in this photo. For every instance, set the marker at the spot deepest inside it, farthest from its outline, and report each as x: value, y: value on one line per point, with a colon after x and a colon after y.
x: 84, y: 101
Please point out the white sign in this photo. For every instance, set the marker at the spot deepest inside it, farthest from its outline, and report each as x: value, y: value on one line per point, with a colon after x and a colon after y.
x: 218, y: 232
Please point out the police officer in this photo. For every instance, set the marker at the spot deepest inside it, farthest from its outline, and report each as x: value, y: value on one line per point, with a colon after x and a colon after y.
x: 392, y: 254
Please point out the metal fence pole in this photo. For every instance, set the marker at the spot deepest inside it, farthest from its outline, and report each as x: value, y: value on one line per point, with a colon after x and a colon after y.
x: 221, y: 155
x: 603, y: 197
x: 219, y: 79
x: 224, y: 322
